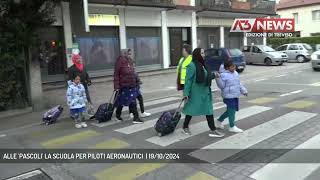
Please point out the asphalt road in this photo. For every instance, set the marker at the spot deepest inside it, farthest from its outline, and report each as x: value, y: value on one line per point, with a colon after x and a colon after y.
x: 280, y: 113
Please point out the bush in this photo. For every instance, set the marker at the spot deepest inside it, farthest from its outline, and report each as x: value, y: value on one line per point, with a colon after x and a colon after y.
x: 312, y: 41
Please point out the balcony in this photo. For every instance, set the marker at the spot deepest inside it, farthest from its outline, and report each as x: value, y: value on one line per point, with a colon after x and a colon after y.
x: 147, y: 3
x: 245, y: 6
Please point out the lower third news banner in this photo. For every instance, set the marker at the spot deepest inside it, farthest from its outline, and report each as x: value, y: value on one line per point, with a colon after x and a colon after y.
x: 160, y: 156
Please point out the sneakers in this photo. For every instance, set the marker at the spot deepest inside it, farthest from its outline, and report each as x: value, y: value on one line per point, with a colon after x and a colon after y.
x: 84, y: 125
x: 78, y: 126
x: 219, y: 125
x: 131, y: 116
x: 81, y: 125
x: 187, y: 131
x: 145, y: 114
x: 235, y: 129
x: 216, y: 134
x: 137, y: 121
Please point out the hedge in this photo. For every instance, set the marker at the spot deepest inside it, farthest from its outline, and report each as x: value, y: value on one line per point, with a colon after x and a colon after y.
x: 275, y: 42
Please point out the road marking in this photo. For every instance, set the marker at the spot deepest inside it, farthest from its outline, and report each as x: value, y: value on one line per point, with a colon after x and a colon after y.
x: 111, y: 144
x: 299, y: 104
x: 148, y: 124
x: 297, y: 170
x: 262, y: 100
x: 201, y: 127
x: 3, y: 135
x: 201, y: 176
x: 127, y: 171
x: 281, y: 75
x: 291, y: 93
x: 27, y: 175
x: 250, y: 137
x: 159, y: 101
x: 297, y: 72
x: 73, y: 138
x: 257, y: 80
x: 292, y: 84
x: 315, y: 84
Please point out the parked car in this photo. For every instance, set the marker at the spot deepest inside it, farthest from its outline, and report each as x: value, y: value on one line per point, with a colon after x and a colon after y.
x: 300, y: 52
x: 261, y: 54
x: 315, y: 60
x: 215, y: 57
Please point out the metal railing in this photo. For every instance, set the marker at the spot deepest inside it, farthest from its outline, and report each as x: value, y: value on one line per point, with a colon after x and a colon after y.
x: 251, y: 6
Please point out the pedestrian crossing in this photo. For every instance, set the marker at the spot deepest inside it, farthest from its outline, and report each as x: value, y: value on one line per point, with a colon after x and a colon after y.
x: 201, y: 127
x: 238, y: 142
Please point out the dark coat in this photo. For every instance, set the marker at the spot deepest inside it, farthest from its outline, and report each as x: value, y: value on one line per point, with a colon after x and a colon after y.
x: 73, y: 71
x: 124, y: 73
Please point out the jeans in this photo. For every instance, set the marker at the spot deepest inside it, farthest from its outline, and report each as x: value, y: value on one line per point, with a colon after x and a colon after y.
x: 230, y: 114
x: 210, y: 120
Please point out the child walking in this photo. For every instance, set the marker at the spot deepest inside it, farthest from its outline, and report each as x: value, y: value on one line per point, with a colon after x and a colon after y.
x: 140, y: 99
x: 231, y: 89
x: 76, y: 99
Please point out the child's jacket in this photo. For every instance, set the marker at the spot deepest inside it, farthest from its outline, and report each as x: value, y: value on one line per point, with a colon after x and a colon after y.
x: 76, y: 96
x: 230, y: 85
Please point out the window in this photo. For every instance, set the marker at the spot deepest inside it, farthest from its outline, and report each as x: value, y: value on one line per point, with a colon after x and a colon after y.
x: 293, y: 47
x: 316, y: 15
x: 235, y: 52
x: 282, y: 48
x: 246, y: 49
x: 256, y: 49
x: 296, y: 18
x: 307, y: 46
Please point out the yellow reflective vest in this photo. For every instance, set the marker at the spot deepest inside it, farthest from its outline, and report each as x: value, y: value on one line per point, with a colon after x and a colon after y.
x: 183, y: 63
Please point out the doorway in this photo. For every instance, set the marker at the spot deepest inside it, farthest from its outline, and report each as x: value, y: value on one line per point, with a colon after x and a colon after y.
x: 178, y: 37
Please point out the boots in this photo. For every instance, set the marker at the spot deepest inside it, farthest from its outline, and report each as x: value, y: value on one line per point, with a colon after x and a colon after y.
x: 134, y: 110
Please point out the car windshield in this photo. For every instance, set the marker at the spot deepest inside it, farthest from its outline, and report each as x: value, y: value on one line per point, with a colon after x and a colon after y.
x: 266, y: 49
x: 235, y: 52
x: 307, y: 46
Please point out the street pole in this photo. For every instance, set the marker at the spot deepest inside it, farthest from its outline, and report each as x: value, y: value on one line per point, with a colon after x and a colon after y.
x: 86, y: 15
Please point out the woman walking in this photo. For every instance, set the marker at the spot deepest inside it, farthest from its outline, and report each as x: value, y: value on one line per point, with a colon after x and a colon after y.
x: 125, y: 83
x: 78, y: 69
x: 197, y: 93
x: 231, y: 88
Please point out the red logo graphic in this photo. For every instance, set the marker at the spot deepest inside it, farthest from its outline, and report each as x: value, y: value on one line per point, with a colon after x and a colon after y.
x: 260, y: 25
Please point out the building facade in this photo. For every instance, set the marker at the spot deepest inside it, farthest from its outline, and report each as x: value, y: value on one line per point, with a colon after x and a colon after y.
x: 306, y: 14
x: 155, y: 29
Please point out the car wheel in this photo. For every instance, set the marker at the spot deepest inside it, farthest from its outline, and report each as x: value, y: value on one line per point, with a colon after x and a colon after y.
x: 268, y: 61
x: 280, y: 64
x: 240, y: 70
x: 301, y: 59
x: 315, y: 69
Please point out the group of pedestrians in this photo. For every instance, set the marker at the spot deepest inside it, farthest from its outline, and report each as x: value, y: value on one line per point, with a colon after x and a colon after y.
x: 195, y: 77
x: 126, y: 86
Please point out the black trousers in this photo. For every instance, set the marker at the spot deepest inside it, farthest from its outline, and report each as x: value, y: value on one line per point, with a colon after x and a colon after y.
x: 141, y: 104
x: 210, y: 120
x: 132, y: 108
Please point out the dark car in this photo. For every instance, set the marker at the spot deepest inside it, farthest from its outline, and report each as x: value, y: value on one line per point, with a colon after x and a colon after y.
x: 215, y: 57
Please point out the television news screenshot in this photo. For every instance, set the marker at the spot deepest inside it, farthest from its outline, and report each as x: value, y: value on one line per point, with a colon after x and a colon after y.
x: 160, y: 89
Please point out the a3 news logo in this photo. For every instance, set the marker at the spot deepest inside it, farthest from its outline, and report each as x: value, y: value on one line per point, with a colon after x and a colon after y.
x: 262, y: 25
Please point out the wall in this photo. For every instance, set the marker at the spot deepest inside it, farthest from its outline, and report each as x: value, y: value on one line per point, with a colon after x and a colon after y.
x: 179, y: 19
x: 138, y: 17
x: 306, y: 25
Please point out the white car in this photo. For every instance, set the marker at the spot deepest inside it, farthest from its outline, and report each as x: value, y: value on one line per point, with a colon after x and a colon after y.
x: 315, y: 60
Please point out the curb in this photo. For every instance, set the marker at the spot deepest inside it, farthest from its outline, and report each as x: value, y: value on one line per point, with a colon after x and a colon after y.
x: 15, y: 112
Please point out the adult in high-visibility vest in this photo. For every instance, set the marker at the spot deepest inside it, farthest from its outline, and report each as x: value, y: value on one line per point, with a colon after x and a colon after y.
x: 182, y: 66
